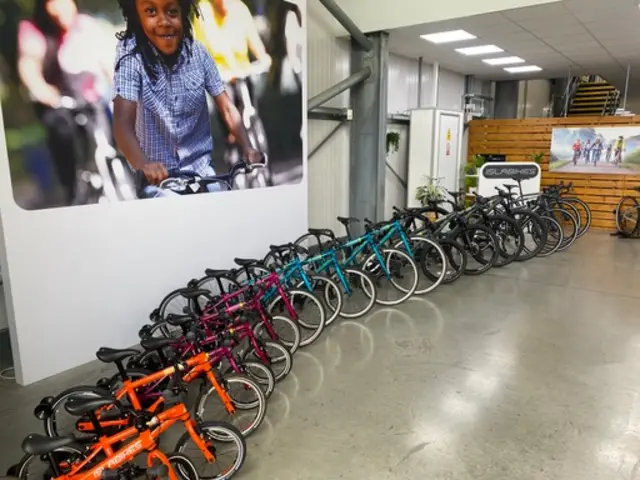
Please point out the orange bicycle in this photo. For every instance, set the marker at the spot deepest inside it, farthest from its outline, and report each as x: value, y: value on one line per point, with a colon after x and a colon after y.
x: 245, y: 407
x: 111, y: 457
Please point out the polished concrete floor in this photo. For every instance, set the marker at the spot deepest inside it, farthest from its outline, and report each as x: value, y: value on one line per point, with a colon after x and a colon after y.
x: 530, y: 372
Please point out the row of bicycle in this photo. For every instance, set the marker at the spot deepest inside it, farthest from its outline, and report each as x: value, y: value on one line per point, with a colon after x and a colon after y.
x: 233, y: 334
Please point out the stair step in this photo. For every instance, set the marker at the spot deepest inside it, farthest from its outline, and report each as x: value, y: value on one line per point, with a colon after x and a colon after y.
x: 586, y: 86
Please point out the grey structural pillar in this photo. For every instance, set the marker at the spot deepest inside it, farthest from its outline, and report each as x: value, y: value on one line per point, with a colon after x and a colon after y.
x: 367, y: 162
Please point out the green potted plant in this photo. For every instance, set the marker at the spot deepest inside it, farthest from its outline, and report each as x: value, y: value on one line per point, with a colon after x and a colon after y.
x: 537, y: 157
x: 430, y: 191
x: 393, y: 142
x: 470, y: 172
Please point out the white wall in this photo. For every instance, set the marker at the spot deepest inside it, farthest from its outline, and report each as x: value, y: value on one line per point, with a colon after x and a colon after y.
x: 450, y: 90
x: 328, y: 63
x: 80, y: 278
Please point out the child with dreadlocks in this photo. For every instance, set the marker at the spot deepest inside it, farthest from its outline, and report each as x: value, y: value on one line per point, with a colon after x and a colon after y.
x: 161, y: 119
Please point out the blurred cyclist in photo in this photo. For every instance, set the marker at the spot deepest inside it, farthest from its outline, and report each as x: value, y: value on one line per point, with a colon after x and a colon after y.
x: 59, y: 55
x: 229, y: 32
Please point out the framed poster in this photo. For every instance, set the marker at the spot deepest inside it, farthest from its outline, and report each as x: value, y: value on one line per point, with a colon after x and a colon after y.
x: 607, y: 150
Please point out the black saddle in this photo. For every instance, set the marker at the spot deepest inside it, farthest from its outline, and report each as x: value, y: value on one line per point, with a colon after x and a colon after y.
x: 346, y: 221
x: 210, y: 272
x: 321, y: 231
x: 245, y: 262
x: 510, y: 187
x: 154, y: 343
x: 79, y: 406
x: 637, y: 189
x: 456, y: 194
x: 36, y: 444
x: 193, y: 293
x: 108, y: 355
x: 178, y: 320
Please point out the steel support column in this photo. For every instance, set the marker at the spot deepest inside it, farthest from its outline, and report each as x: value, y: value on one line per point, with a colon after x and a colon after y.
x: 367, y: 162
x: 436, y: 83
x: 626, y: 87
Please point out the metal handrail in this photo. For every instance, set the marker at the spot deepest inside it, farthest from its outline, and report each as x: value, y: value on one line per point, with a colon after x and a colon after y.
x: 569, y: 93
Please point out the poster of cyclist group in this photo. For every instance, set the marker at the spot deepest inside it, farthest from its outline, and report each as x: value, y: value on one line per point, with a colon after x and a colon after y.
x: 135, y: 99
x: 607, y: 150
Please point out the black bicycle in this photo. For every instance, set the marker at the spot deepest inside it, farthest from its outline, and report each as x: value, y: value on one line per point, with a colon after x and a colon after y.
x: 186, y: 182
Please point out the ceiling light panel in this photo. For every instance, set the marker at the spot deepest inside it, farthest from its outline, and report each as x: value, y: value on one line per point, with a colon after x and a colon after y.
x: 479, y: 50
x: 448, y: 37
x: 523, y: 69
x: 503, y: 61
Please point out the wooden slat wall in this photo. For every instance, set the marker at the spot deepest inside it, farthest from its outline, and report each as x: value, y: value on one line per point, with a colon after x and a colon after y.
x: 518, y: 139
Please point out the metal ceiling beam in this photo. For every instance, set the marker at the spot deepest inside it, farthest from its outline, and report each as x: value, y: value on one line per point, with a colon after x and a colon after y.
x: 337, y: 89
x: 329, y: 113
x: 348, y: 24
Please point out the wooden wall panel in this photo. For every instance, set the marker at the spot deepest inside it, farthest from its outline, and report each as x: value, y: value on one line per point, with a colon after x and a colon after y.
x: 518, y: 139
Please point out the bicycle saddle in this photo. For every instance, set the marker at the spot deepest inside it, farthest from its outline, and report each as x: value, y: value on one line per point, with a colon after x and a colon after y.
x: 456, y: 194
x: 245, y: 262
x: 322, y: 231
x: 637, y: 189
x: 108, y: 355
x: 153, y: 343
x: 509, y: 187
x: 210, y: 272
x: 36, y: 444
x: 79, y: 406
x: 178, y: 320
x: 193, y: 293
x: 346, y: 221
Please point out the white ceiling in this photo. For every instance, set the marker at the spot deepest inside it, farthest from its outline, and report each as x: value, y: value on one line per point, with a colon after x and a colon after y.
x: 590, y: 36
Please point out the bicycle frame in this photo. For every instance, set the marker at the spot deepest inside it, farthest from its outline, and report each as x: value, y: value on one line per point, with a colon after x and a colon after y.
x: 147, y: 441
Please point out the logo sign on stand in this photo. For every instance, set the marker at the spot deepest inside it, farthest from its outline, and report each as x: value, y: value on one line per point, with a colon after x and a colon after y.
x: 492, y: 175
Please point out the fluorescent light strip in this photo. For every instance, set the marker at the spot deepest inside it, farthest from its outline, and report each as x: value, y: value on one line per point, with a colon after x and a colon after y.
x: 448, y: 37
x: 503, y: 60
x: 524, y: 69
x: 479, y: 50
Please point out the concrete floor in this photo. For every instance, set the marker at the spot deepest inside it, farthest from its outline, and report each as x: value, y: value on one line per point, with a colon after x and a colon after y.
x: 528, y: 372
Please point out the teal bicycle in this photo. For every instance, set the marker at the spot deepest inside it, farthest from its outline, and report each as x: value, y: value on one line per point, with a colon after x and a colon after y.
x: 370, y: 255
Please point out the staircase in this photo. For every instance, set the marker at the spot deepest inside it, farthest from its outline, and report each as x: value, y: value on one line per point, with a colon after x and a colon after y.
x: 594, y: 98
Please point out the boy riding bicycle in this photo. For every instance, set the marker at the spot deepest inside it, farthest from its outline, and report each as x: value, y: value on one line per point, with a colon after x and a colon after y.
x: 161, y: 120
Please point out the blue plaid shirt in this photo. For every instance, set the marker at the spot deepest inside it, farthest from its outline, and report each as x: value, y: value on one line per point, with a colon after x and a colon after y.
x: 172, y: 123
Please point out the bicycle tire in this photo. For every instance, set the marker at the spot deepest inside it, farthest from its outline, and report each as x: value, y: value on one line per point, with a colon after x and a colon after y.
x: 291, y: 343
x: 222, y: 432
x: 621, y: 218
x: 266, y: 379
x: 504, y: 258
x: 284, y: 361
x: 555, y: 237
x: 376, y: 272
x: 309, y: 332
x: 431, y: 247
x: 260, y: 403
x: 183, y: 466
x: 370, y: 292
x: 50, y: 423
x: 490, y: 237
x: 336, y: 293
x: 585, y: 214
x: 26, y: 460
x: 572, y: 209
x: 531, y: 224
x: 571, y: 232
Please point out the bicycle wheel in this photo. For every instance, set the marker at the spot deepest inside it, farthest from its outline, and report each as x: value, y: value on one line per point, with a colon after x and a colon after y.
x: 572, y: 210
x: 360, y: 297
x: 535, y: 233
x: 430, y: 251
x: 183, y: 466
x: 309, y: 310
x: 583, y: 211
x: 54, y: 424
x: 320, y: 286
x: 569, y: 226
x: 555, y: 236
x: 481, y: 245
x: 510, y: 238
x: 260, y: 372
x: 225, y: 440
x: 38, y: 466
x: 287, y: 332
x: 627, y: 212
x: 280, y: 360
x: 247, y: 397
x: 395, y: 261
